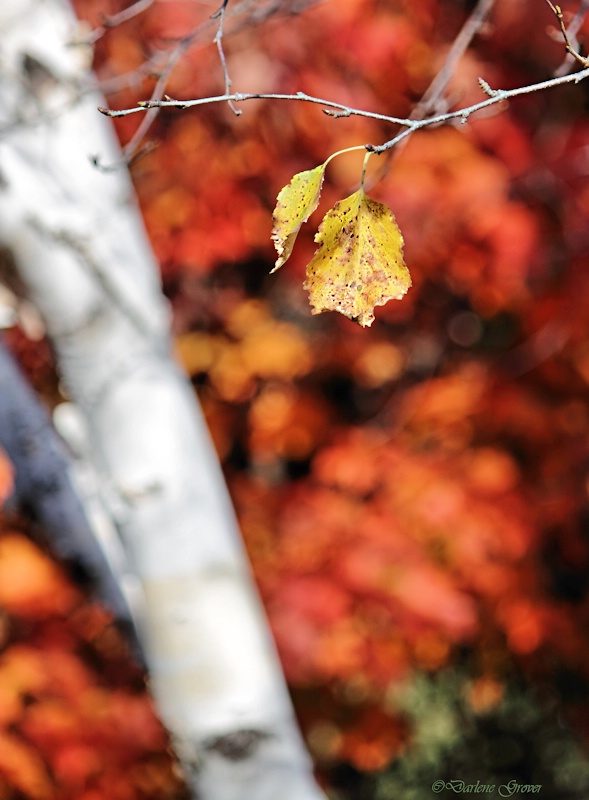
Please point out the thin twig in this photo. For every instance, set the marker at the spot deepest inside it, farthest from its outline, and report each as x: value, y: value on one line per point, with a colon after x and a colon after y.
x: 471, y: 27
x: 253, y: 15
x: 220, y: 11
x: 117, y: 19
x: 431, y: 100
x: 157, y: 94
x: 557, y: 11
x: 218, y: 40
x: 130, y: 151
x: 337, y: 110
x: 240, y: 97
x: 571, y: 33
x: 495, y: 96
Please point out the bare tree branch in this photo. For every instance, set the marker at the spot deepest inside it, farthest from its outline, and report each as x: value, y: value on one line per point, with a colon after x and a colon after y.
x: 117, y: 19
x: 494, y: 96
x: 246, y: 12
x: 571, y: 50
x: 430, y: 100
x: 571, y: 35
x: 220, y: 15
x: 337, y: 110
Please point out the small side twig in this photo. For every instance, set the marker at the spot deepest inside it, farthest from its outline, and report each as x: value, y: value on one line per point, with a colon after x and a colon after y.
x: 469, y: 30
x: 117, y: 19
x: 240, y: 97
x: 218, y: 40
x: 573, y: 29
x: 130, y: 149
x: 571, y: 50
x: 241, y: 13
x: 433, y: 100
x: 486, y: 88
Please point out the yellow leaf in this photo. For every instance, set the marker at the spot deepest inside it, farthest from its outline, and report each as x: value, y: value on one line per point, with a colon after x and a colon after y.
x: 295, y: 204
x: 359, y: 263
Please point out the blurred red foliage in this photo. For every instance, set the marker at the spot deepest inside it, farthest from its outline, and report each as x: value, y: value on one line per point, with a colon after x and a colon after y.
x: 75, y: 720
x: 408, y: 493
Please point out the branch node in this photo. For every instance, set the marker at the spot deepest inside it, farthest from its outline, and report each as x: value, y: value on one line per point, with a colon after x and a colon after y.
x: 487, y: 89
x: 337, y: 113
x: 220, y: 10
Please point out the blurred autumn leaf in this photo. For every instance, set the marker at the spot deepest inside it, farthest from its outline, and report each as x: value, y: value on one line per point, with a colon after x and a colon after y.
x: 75, y: 720
x: 5, y: 477
x: 29, y: 582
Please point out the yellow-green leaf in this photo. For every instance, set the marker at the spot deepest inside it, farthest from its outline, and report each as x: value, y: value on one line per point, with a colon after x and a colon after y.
x: 359, y: 263
x: 295, y: 204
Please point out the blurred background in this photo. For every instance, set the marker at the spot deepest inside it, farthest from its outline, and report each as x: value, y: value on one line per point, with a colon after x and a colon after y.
x: 413, y: 496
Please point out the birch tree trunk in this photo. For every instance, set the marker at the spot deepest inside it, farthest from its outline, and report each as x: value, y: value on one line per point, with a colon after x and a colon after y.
x: 80, y: 247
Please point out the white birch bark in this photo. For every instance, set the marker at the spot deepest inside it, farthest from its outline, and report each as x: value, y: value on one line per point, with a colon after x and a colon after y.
x: 81, y: 249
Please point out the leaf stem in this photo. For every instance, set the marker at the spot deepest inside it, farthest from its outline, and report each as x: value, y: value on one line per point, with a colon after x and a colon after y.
x: 345, y: 150
x: 364, y: 167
